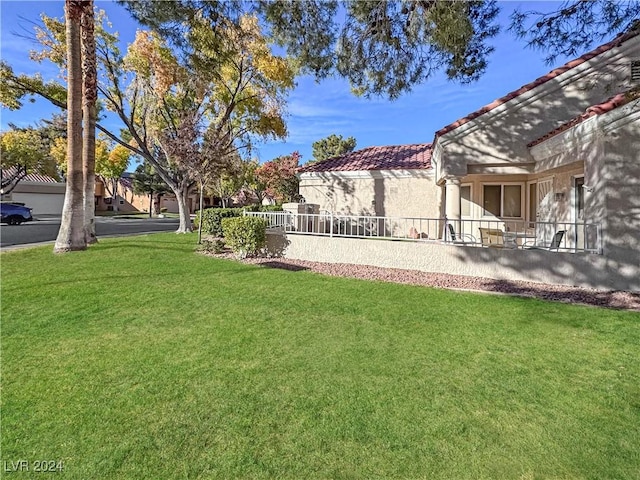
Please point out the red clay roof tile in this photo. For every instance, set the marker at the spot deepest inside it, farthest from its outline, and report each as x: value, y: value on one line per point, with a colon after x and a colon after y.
x: 395, y: 157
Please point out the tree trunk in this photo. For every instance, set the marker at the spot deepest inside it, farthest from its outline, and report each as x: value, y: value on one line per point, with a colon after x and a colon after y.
x: 114, y: 195
x: 151, y: 205
x: 71, y: 234
x: 182, y: 197
x: 89, y: 97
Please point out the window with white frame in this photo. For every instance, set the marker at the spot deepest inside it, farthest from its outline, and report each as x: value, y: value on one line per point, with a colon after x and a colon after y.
x: 502, y: 200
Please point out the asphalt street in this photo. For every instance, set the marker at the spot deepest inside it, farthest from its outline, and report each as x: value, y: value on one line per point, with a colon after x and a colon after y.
x: 46, y: 229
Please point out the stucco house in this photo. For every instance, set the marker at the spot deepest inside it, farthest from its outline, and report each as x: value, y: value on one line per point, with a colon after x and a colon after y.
x: 560, y: 154
x: 563, y: 149
x: 384, y: 181
x: 42, y: 193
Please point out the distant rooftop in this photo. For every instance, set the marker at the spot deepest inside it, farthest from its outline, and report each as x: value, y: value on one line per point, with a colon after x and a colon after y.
x: 30, y: 177
x: 394, y: 157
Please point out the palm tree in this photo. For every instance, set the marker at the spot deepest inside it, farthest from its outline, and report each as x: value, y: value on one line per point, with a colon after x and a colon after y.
x: 89, y: 97
x: 71, y: 234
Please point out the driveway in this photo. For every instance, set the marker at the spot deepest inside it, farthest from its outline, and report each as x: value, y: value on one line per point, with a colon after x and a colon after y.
x: 45, y: 229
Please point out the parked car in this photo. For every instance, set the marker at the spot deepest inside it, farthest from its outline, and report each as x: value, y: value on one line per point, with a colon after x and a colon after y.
x: 15, y: 213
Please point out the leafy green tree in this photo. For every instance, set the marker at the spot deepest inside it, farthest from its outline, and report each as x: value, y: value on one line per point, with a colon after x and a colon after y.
x: 228, y: 182
x: 382, y: 47
x: 332, y: 146
x: 253, y: 182
x: 23, y: 151
x: 574, y: 26
x: 185, y: 113
x: 279, y: 175
x: 147, y: 182
x: 110, y: 165
x: 386, y: 47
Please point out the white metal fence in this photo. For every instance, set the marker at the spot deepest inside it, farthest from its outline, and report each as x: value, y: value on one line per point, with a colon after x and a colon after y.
x: 552, y: 236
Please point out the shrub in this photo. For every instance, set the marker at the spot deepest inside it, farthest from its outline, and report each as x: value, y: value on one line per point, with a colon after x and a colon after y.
x: 246, y: 236
x: 212, y: 217
x: 271, y: 208
x: 263, y: 208
x: 211, y: 245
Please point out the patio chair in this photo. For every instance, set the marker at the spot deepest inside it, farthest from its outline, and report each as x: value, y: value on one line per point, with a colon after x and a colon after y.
x: 458, y: 238
x: 491, y: 237
x: 553, y: 246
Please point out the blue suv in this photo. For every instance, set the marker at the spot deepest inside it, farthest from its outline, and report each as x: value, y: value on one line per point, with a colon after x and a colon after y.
x: 15, y: 213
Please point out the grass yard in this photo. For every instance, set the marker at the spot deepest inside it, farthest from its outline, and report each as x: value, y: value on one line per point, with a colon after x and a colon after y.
x: 140, y: 359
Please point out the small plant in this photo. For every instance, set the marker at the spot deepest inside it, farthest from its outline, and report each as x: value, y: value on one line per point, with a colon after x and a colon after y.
x: 211, y: 245
x: 246, y: 236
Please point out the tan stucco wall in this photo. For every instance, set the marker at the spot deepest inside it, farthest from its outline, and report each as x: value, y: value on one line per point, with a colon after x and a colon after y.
x: 622, y: 194
x: 586, y: 270
x: 501, y: 136
x: 384, y: 195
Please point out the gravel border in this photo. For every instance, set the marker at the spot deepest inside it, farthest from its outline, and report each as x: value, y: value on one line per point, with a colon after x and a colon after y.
x: 558, y: 293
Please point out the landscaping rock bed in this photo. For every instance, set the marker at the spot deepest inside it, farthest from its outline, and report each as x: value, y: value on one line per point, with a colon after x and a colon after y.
x: 558, y: 293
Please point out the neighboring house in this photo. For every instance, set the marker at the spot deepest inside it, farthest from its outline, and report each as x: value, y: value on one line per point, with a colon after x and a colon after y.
x: 393, y: 181
x: 128, y: 201
x: 43, y: 194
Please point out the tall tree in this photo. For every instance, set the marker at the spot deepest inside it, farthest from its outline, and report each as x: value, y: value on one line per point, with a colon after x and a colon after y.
x: 574, y: 26
x: 385, y: 47
x: 89, y: 114
x: 71, y: 235
x: 382, y: 47
x: 332, y: 146
x: 182, y: 109
x: 191, y: 116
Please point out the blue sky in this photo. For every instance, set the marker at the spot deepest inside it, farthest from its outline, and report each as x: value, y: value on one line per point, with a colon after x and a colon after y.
x: 316, y: 110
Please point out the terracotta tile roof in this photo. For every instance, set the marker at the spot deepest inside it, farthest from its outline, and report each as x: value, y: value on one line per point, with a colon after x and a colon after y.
x: 616, y: 42
x: 395, y: 157
x: 610, y: 104
x: 30, y: 177
x: 37, y: 177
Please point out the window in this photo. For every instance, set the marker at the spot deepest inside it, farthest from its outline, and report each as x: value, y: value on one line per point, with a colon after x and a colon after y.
x: 465, y: 201
x: 503, y: 200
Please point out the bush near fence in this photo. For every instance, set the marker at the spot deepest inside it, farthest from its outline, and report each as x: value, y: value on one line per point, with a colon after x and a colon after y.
x: 246, y: 236
x: 212, y: 217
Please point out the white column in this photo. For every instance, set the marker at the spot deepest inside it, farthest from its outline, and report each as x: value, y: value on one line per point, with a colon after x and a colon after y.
x: 452, y: 198
x: 452, y: 202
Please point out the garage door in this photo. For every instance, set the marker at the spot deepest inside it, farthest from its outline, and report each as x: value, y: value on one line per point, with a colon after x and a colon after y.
x: 41, y: 203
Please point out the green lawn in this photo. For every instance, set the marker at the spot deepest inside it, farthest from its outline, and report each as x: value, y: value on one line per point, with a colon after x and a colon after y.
x: 140, y: 359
